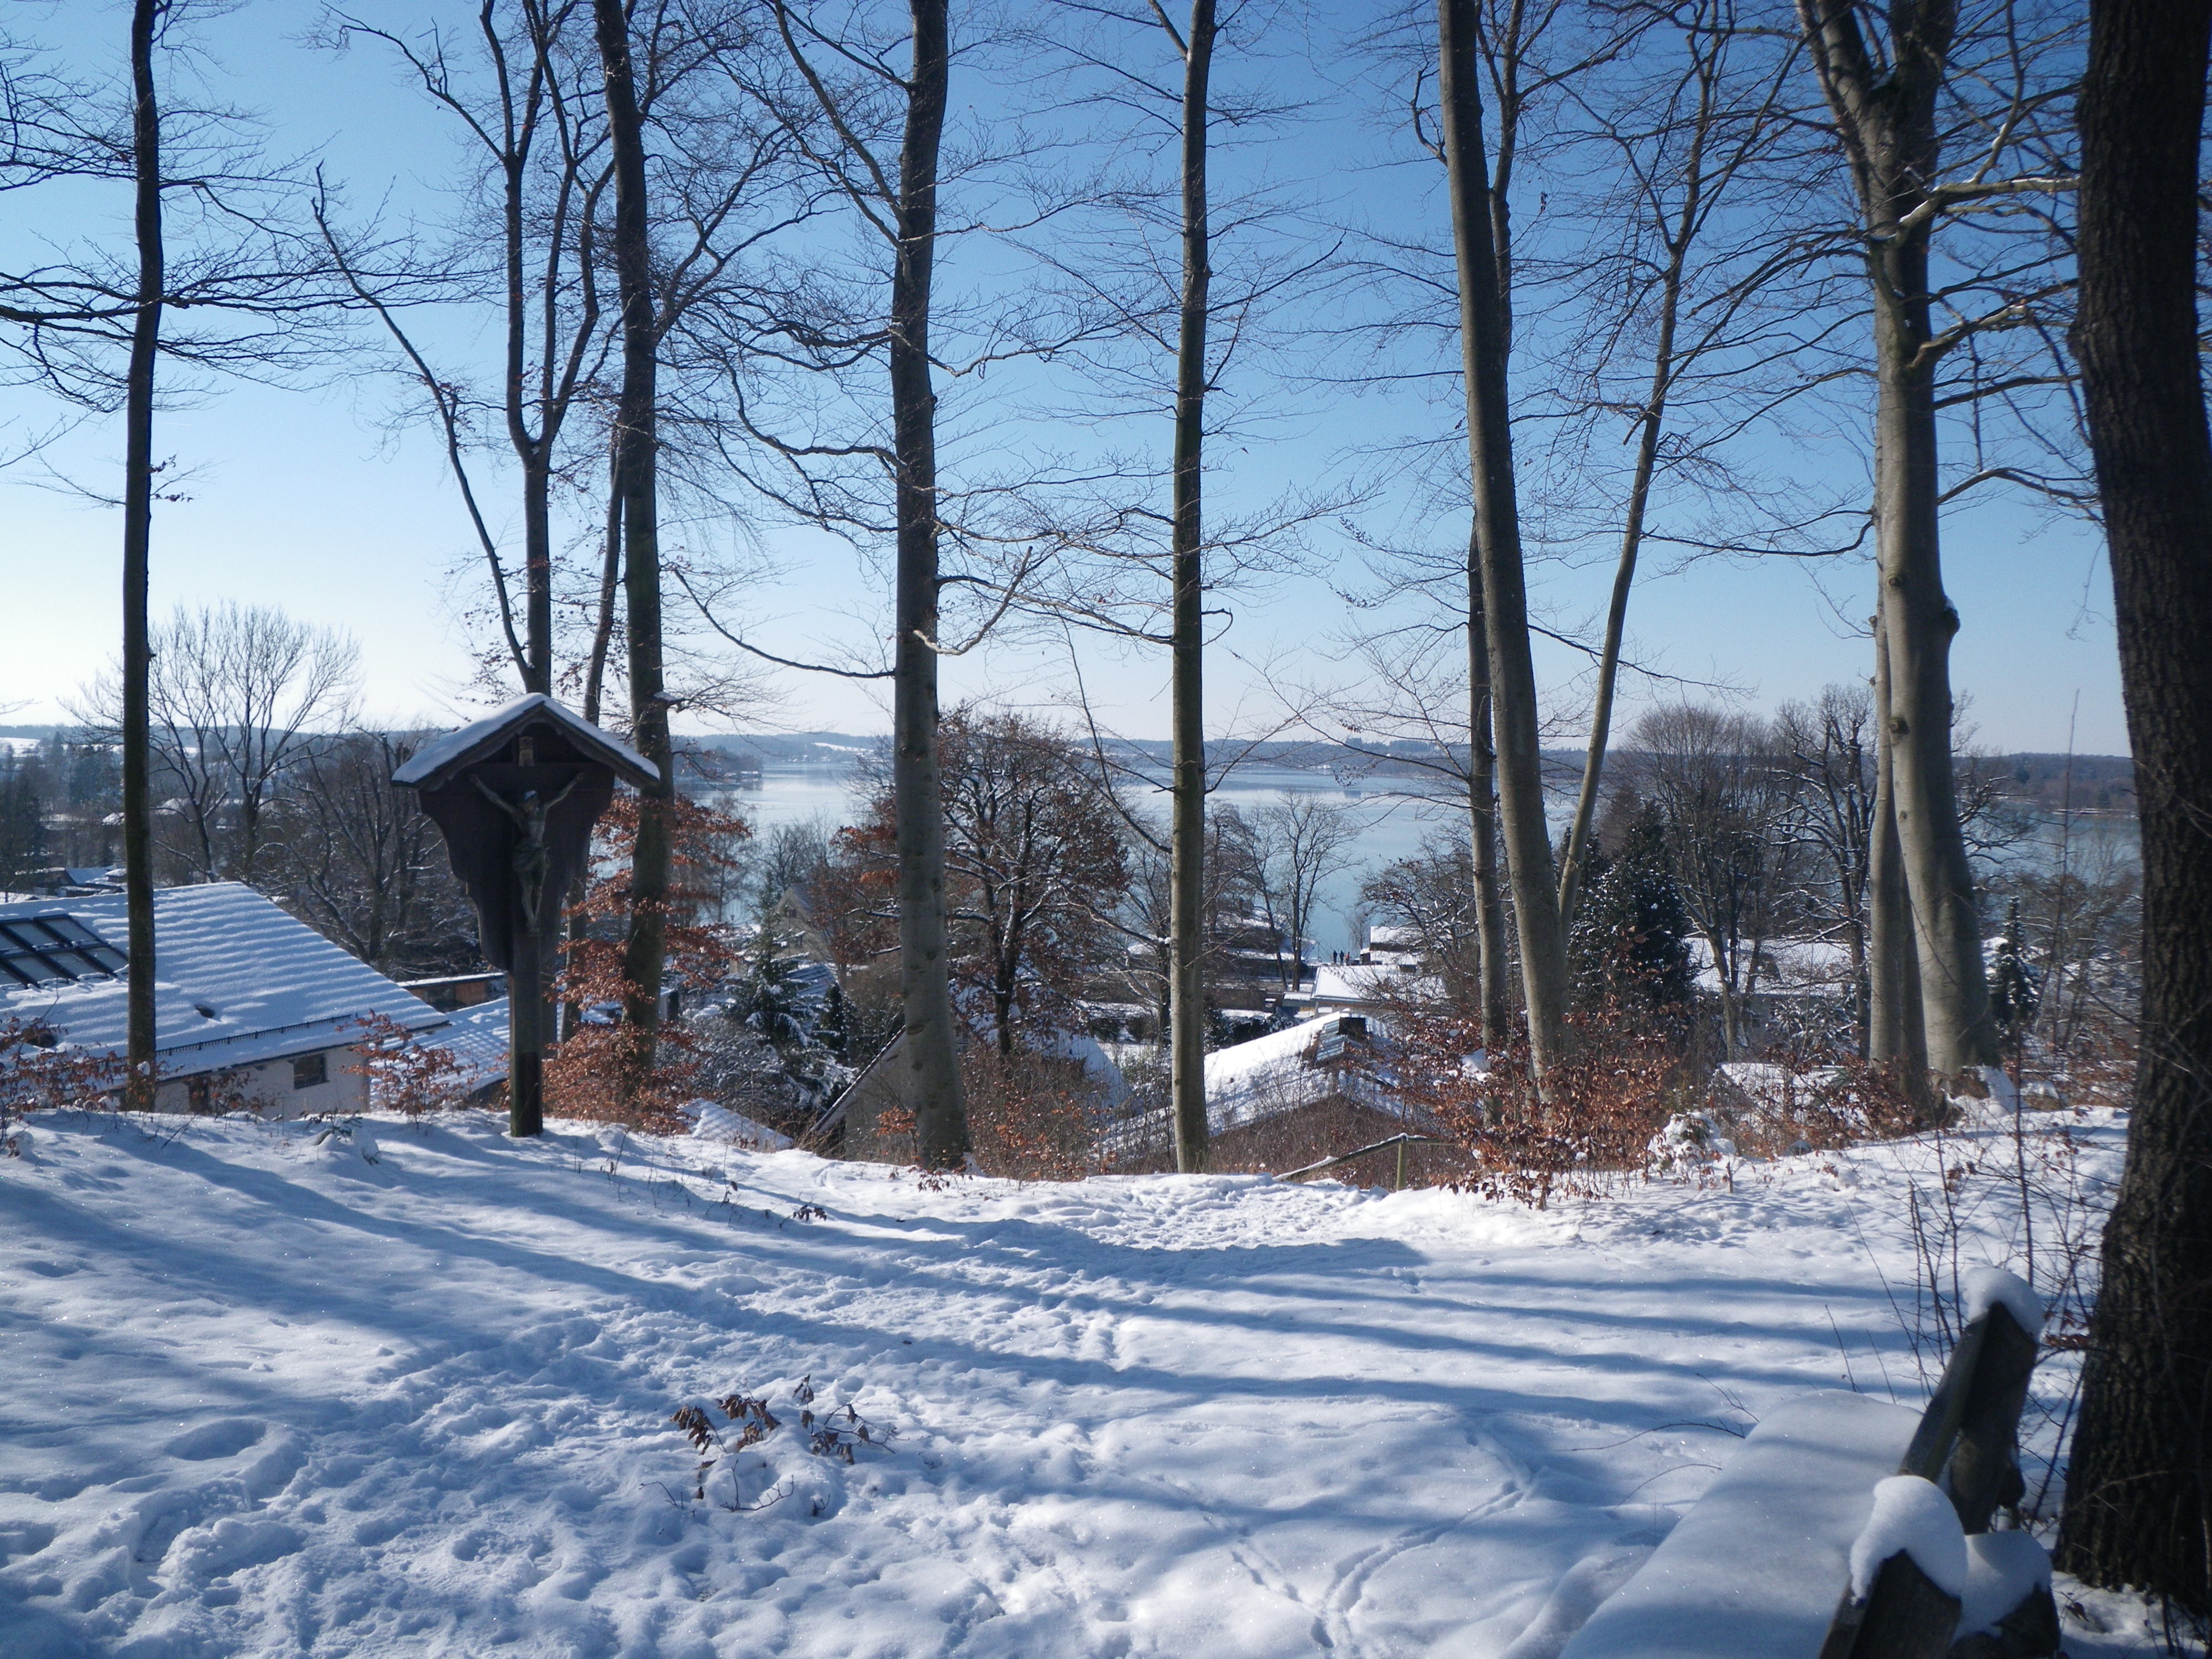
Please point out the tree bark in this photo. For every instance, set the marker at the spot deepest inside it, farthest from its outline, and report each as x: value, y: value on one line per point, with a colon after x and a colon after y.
x: 532, y: 452
x: 1896, y: 1037
x: 1493, y: 965
x: 1887, y: 125
x: 931, y: 1047
x: 1187, y: 855
x: 1483, y: 343
x: 645, y: 950
x: 2139, y: 1489
x: 146, y: 17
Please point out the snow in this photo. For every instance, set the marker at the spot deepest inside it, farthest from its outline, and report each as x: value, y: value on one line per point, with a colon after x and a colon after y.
x: 238, y: 981
x: 712, y: 1122
x: 2001, y: 1089
x: 1274, y: 1074
x: 260, y: 1396
x: 1984, y: 1288
x: 476, y: 1039
x: 1758, y: 1566
x: 2004, y: 1568
x: 1358, y: 985
x: 1912, y: 1517
x: 1585, y: 1587
x: 1771, y: 1087
x: 433, y: 757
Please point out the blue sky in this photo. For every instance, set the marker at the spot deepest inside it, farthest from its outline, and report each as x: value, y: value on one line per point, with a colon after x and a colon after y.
x: 314, y: 499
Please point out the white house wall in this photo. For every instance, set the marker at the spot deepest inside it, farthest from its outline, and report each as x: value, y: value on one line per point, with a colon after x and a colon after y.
x: 267, y: 1088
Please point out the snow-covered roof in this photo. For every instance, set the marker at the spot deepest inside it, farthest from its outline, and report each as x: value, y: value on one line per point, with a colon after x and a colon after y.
x: 1383, y: 936
x: 459, y: 748
x: 1281, y: 1072
x: 1774, y: 1087
x: 1356, y: 982
x: 712, y: 1122
x: 1787, y: 966
x: 237, y: 980
x: 476, y: 1039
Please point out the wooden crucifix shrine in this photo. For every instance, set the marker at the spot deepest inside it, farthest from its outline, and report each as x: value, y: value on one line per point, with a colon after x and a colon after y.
x: 516, y: 795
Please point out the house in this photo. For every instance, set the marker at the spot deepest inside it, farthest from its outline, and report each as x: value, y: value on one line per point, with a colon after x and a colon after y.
x: 451, y: 992
x: 1310, y: 1091
x: 252, y: 1008
x: 1392, y: 946
x: 1362, y: 987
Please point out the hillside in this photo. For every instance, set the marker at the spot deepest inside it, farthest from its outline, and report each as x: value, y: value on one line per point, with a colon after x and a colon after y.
x: 271, y: 1389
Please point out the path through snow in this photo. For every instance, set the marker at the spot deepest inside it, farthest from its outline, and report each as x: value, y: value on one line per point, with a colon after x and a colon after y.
x: 261, y: 1396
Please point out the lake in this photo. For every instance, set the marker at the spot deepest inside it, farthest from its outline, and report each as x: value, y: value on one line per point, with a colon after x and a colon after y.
x: 1393, y: 819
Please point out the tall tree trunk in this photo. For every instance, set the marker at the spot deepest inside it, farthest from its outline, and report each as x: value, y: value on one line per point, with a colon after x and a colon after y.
x: 1886, y: 120
x: 146, y: 17
x: 1187, y: 856
x: 532, y: 454
x: 1494, y: 963
x: 1895, y: 1035
x: 646, y: 949
x: 1919, y: 623
x: 595, y: 678
x: 931, y: 1047
x: 1483, y: 341
x: 610, y: 568
x: 2139, y: 1490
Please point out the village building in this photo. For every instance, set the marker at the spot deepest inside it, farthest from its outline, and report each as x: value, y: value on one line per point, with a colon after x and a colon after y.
x: 1312, y: 1090
x: 252, y: 1008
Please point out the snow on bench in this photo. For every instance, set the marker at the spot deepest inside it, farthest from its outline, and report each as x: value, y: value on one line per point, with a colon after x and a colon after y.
x: 1754, y: 1568
x: 1828, y: 1535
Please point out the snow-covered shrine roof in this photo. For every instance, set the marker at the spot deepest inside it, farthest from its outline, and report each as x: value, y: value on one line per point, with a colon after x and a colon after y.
x: 434, y: 762
x: 237, y: 981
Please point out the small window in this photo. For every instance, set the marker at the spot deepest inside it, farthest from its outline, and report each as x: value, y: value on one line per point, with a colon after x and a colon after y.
x: 308, y: 1070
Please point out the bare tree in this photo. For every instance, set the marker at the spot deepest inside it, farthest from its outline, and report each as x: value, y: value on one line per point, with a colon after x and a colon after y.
x: 898, y: 200
x: 1035, y: 865
x: 361, y: 863
x: 636, y: 444
x: 1684, y: 136
x: 146, y: 17
x: 67, y: 322
x: 1187, y: 1000
x: 1502, y: 670
x: 236, y: 696
x: 1712, y: 777
x: 1826, y: 752
x: 1886, y: 82
x: 1432, y: 895
x: 532, y: 122
x: 2139, y: 1486
x: 1303, y: 839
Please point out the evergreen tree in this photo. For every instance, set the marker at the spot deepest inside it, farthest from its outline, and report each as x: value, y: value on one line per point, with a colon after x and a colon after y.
x: 2014, y: 995
x: 774, y: 1000
x: 23, y: 825
x: 829, y: 1030
x: 1629, y: 933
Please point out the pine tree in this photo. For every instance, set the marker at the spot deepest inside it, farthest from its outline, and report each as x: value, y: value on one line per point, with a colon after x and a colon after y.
x: 2014, y: 994
x: 1629, y: 930
x: 829, y: 1030
x: 774, y: 1000
x: 22, y: 826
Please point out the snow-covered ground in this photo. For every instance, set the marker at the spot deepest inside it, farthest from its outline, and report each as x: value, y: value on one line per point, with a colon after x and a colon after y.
x: 270, y: 1390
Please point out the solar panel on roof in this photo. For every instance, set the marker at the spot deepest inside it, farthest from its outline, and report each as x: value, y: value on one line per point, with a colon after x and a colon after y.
x: 53, y: 948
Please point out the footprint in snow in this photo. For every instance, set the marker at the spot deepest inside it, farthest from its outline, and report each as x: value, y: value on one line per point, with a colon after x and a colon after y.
x: 225, y: 1438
